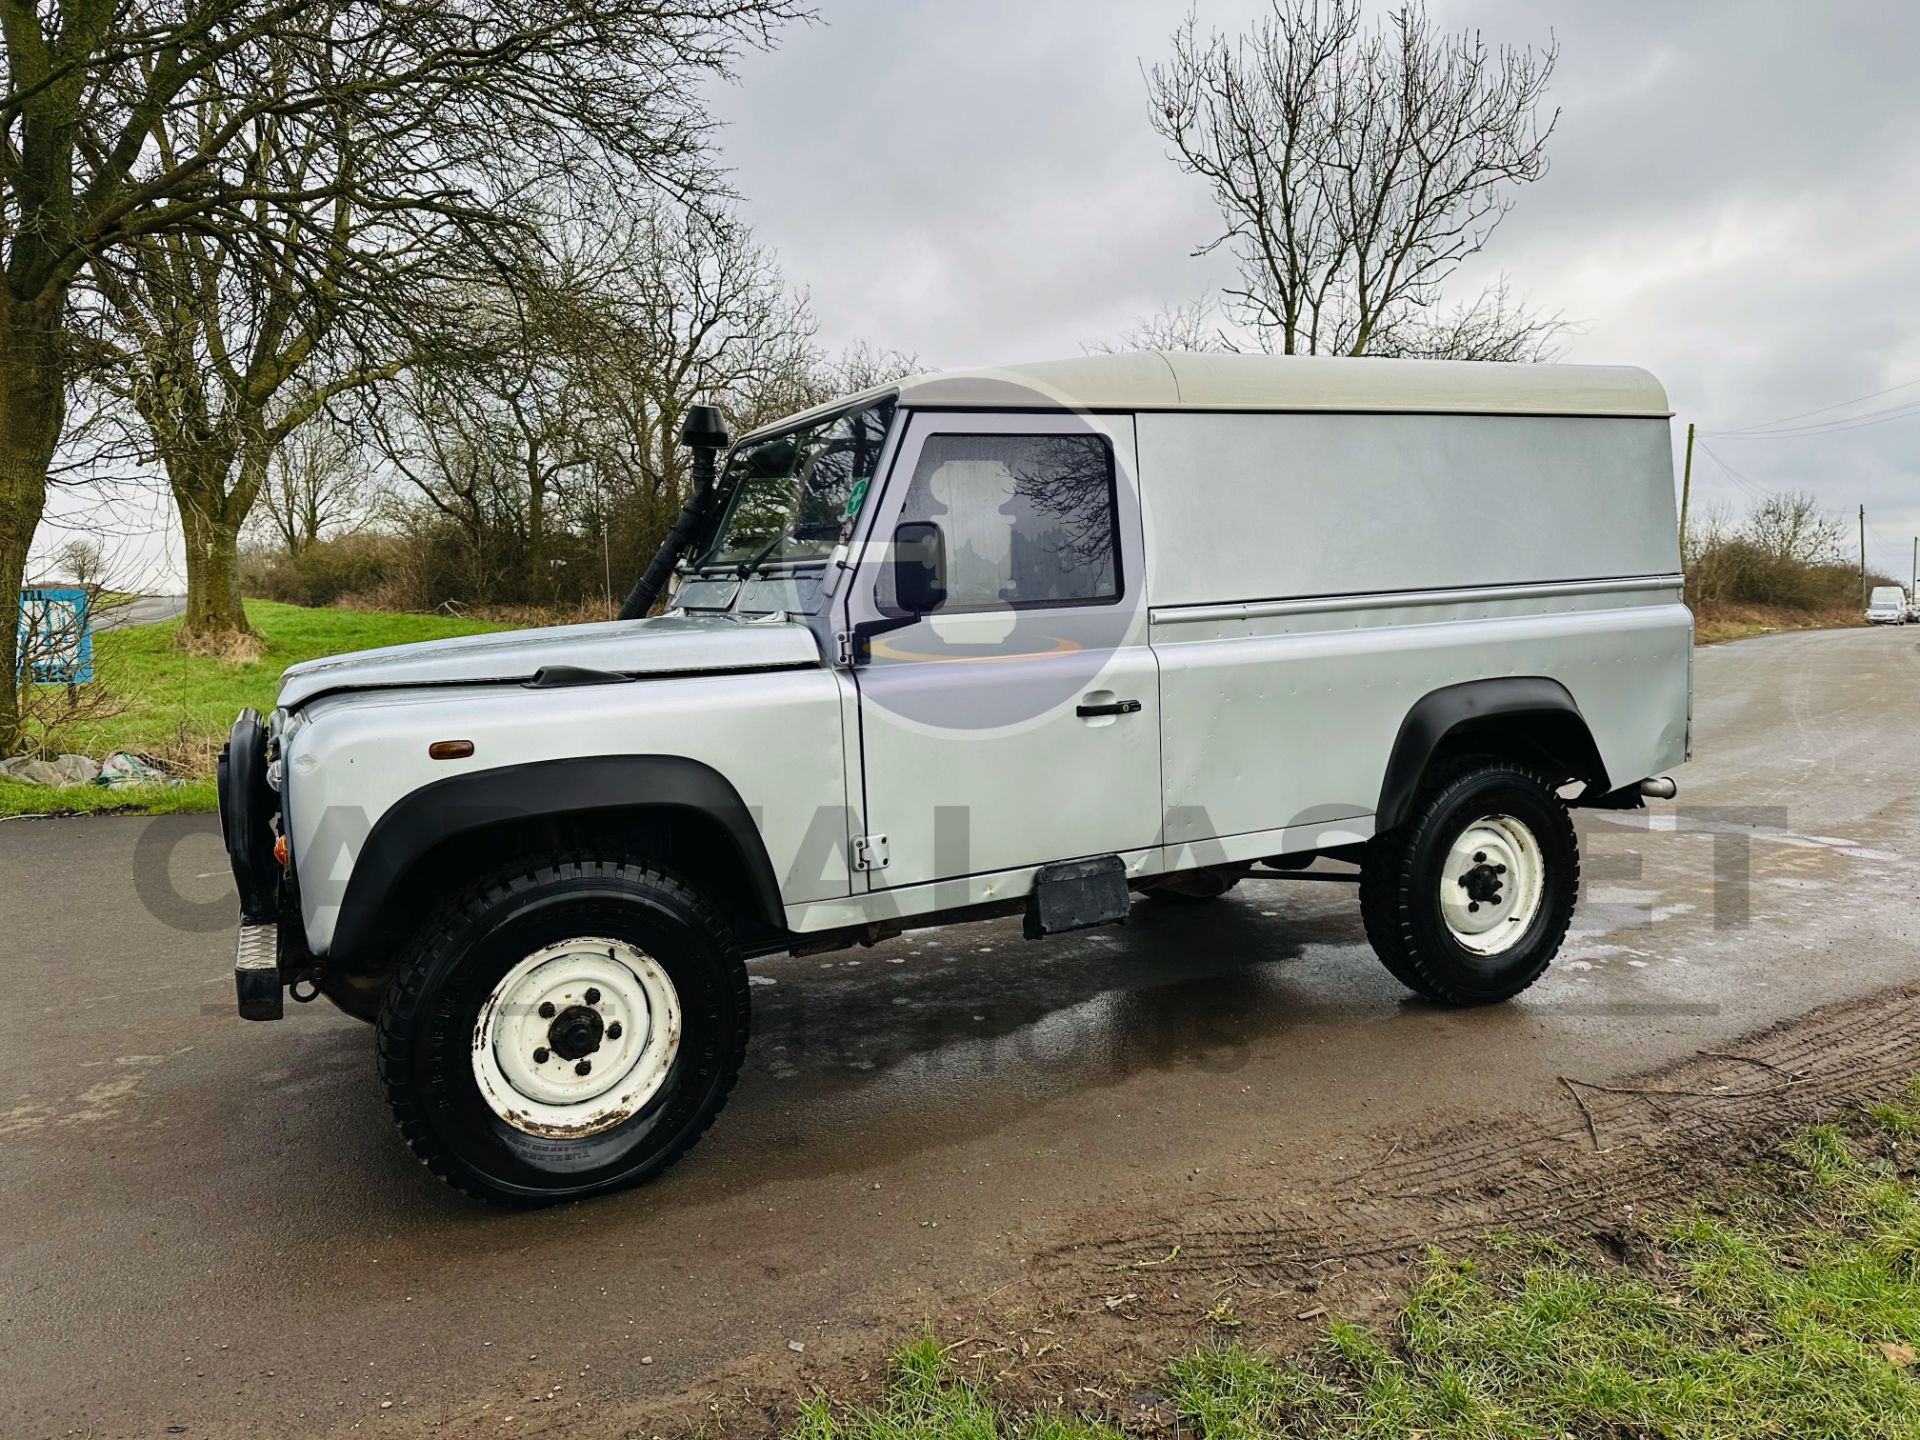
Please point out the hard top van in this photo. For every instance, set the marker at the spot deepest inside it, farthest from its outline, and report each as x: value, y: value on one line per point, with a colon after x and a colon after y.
x: 1887, y: 605
x: 1053, y: 641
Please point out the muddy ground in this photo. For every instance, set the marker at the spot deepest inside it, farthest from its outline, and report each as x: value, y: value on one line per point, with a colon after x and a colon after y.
x: 1090, y: 1323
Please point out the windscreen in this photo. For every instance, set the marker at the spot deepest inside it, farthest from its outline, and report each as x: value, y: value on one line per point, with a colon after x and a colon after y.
x: 793, y: 496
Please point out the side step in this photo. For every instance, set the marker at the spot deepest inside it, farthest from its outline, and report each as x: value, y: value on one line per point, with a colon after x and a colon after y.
x: 1076, y: 894
x: 256, y: 971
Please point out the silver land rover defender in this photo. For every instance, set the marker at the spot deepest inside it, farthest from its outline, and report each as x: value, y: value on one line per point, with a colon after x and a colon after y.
x: 1050, y: 641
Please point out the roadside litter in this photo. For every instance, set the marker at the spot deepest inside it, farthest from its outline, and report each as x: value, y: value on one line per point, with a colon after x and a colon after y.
x: 65, y: 770
x: 121, y: 768
x: 124, y: 767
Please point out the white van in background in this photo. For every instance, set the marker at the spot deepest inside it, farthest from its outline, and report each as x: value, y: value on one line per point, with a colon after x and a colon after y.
x: 1887, y: 605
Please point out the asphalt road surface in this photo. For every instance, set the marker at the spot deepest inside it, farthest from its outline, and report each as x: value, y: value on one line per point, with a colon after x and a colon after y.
x: 141, y: 610
x: 210, y: 1225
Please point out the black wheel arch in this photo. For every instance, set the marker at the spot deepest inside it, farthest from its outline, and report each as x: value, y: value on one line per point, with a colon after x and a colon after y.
x: 1526, y: 717
x: 643, y: 805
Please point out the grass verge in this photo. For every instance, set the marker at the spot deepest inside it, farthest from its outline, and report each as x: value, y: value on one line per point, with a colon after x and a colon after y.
x: 1714, y: 622
x: 179, y: 706
x: 1789, y: 1306
x: 18, y: 798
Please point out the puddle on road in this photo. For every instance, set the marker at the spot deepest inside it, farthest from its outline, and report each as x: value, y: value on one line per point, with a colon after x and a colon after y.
x: 989, y: 1008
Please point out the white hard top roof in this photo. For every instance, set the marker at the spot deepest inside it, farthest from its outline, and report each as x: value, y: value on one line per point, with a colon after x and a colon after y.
x: 1185, y: 380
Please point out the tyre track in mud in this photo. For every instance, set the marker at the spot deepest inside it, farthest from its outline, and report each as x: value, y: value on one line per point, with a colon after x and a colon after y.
x: 1639, y: 1142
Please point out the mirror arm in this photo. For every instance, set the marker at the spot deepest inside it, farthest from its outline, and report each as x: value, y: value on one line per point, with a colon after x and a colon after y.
x: 865, y: 630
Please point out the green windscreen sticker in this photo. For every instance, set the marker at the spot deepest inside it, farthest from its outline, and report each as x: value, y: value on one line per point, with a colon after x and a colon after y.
x: 855, y: 495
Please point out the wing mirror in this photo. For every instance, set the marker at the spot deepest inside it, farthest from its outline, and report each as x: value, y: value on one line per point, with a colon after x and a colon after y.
x: 919, y: 567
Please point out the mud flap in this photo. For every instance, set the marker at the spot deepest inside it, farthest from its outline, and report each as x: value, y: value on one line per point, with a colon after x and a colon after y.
x: 1076, y: 894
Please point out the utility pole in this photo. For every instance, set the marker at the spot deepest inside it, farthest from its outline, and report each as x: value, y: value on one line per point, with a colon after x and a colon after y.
x: 1913, y: 586
x: 1686, y: 491
x: 1863, y: 557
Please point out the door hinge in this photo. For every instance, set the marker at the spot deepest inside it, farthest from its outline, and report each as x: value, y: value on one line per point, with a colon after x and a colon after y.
x: 869, y: 852
x: 843, y: 642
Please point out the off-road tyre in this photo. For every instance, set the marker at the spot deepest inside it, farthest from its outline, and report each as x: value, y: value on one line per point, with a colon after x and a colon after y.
x: 427, y: 1025
x: 1400, y: 882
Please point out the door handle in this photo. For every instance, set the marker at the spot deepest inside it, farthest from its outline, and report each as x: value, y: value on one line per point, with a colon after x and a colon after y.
x: 1114, y: 707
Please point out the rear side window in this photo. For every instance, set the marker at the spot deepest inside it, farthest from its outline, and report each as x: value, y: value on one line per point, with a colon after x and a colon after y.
x: 1027, y: 519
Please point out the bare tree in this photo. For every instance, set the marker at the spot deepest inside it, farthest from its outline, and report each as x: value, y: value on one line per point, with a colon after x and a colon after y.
x: 1356, y: 169
x: 456, y: 103
x: 1490, y: 327
x: 221, y: 358
x: 808, y: 376
x: 319, y: 482
x: 1791, y: 526
x: 83, y: 561
x: 1192, y: 327
x: 565, y: 415
x: 699, y: 312
x: 223, y: 343
x: 482, y: 435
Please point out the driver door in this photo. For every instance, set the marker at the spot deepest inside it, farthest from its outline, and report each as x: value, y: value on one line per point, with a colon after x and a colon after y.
x: 1018, y: 721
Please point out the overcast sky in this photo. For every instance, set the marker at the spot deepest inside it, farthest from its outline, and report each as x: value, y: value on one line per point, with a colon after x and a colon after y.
x: 1733, y: 202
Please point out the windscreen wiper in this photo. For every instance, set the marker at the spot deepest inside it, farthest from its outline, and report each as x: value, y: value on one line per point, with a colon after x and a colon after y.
x: 747, y: 567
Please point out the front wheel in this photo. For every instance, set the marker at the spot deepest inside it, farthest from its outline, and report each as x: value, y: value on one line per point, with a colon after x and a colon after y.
x: 562, y: 1030
x: 1468, y: 901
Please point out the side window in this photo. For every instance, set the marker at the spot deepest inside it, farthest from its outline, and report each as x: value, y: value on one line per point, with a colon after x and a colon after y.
x: 1026, y: 519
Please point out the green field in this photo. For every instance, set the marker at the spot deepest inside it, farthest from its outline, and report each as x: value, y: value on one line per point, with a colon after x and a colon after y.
x: 180, y: 706
x: 1786, y: 1306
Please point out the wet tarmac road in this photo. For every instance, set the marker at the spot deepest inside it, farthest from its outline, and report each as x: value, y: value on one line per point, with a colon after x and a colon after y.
x: 210, y: 1225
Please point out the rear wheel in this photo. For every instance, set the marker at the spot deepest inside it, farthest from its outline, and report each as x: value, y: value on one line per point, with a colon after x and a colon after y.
x: 1470, y: 899
x: 563, y: 1030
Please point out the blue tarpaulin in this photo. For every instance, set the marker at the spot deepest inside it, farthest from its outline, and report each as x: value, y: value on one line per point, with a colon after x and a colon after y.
x: 56, y: 636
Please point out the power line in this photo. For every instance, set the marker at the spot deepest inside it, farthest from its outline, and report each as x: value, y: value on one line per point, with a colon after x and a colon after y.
x: 1752, y: 489
x: 1821, y: 409
x: 1831, y: 427
x: 1878, y: 545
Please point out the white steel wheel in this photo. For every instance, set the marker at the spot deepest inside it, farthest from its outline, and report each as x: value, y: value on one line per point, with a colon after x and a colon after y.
x: 577, y: 1038
x: 1491, y: 884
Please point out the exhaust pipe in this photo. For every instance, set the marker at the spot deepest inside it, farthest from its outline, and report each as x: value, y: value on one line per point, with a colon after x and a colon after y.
x: 1659, y: 787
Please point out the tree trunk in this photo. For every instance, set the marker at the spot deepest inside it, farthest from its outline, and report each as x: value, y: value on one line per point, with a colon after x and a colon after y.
x: 210, y: 519
x: 32, y: 411
x: 538, y: 580
x: 213, y: 577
